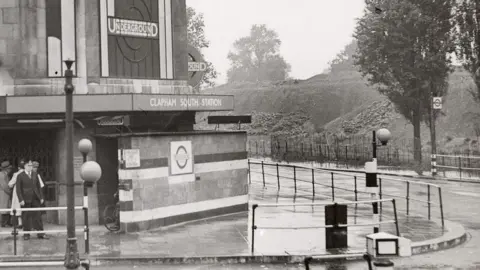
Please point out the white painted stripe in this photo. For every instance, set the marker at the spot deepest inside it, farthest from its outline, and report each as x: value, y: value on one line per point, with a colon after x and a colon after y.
x: 177, y: 179
x: 162, y: 39
x: 174, y: 210
x: 375, y: 219
x: 168, y: 34
x: 140, y: 174
x: 68, y: 32
x: 125, y: 196
x: 85, y: 201
x: 54, y: 48
x: 434, y: 163
x: 111, y: 8
x: 104, y: 38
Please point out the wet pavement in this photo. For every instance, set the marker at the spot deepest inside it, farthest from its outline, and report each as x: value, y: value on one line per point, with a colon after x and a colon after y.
x: 461, y: 203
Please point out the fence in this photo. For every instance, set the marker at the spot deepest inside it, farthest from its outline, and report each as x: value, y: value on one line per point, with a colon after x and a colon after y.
x: 411, y: 189
x: 255, y: 206
x: 355, y: 156
x: 456, y: 166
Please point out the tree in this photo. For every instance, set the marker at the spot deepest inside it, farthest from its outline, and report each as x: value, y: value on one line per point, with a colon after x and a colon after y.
x: 196, y: 38
x: 344, y: 61
x: 256, y: 57
x: 468, y: 40
x: 404, y: 52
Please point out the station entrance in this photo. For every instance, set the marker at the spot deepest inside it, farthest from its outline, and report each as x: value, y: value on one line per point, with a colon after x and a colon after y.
x: 35, y: 144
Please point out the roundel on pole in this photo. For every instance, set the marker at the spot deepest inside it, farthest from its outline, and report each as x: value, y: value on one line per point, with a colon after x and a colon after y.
x: 196, y: 66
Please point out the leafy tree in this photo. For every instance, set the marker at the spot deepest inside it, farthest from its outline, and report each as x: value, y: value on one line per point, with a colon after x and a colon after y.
x: 196, y: 38
x: 468, y: 40
x: 256, y: 57
x: 344, y: 61
x: 404, y: 52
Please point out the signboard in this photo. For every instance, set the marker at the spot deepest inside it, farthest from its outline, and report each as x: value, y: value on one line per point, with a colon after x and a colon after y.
x: 196, y: 70
x: 197, y: 66
x: 181, y: 157
x: 131, y: 157
x: 437, y: 103
x: 182, y: 103
x: 132, y: 28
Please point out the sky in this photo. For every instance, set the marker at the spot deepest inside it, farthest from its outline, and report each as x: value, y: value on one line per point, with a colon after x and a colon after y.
x: 312, y: 31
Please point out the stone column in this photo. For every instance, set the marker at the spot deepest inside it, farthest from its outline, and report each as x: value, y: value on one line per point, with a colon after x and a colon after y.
x: 81, y: 83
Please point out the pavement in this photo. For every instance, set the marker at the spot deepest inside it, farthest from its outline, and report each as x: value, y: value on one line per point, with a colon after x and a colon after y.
x: 461, y: 205
x: 223, y: 238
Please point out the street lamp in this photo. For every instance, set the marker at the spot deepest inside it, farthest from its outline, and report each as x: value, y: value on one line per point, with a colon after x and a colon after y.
x: 89, y: 172
x: 72, y: 258
x: 383, y: 135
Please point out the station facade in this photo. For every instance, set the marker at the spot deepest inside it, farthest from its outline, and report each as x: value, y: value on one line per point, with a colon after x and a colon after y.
x: 131, y: 99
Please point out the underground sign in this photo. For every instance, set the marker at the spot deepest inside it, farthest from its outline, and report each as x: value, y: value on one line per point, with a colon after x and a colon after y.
x: 181, y: 158
x: 196, y: 66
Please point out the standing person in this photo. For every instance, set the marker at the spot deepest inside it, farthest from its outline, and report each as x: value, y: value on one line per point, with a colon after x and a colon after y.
x: 5, y: 191
x: 36, y: 164
x: 30, y: 196
x: 17, y: 219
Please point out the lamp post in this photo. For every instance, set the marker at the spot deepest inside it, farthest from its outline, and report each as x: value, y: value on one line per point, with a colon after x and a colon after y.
x: 383, y: 135
x: 72, y: 258
x: 85, y: 146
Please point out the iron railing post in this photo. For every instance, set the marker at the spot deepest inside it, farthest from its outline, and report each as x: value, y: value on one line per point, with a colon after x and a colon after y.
x: 263, y: 174
x: 333, y: 188
x: 313, y: 181
x: 295, y: 178
x: 249, y: 173
x: 428, y: 196
x: 408, y: 197
x: 441, y: 206
x: 278, y: 177
x: 396, y: 216
x: 254, y: 206
x: 15, y: 221
x: 356, y: 190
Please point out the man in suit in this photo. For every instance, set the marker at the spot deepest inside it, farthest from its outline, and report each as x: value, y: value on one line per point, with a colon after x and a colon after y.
x: 30, y: 196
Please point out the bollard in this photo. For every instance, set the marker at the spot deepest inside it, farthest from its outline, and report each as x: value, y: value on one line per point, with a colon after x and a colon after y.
x: 85, y: 218
x: 396, y: 216
x: 336, y: 237
x: 441, y: 205
x: 380, y: 195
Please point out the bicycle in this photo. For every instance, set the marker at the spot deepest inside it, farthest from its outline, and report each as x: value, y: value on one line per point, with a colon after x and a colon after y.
x: 111, y: 215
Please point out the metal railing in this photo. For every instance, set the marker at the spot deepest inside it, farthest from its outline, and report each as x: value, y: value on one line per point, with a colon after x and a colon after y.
x: 255, y: 227
x: 462, y: 164
x: 317, y: 173
x: 16, y: 232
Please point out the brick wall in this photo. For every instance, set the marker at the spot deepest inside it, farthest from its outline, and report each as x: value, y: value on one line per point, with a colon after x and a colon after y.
x: 155, y: 200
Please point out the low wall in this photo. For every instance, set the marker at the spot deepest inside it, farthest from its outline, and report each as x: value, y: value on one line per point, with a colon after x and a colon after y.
x: 169, y: 178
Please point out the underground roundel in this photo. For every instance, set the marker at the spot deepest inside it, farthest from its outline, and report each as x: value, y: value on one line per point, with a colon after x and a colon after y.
x: 181, y: 157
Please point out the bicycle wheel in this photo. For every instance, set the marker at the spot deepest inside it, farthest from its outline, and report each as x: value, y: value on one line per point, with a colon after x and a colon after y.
x: 109, y: 219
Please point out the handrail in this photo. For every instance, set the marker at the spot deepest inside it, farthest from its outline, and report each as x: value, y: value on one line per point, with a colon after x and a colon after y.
x: 338, y: 225
x: 16, y: 232
x: 355, y: 176
x: 453, y: 156
x: 320, y: 204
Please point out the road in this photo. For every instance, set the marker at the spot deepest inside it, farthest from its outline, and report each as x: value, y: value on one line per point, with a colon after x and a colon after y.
x: 461, y: 203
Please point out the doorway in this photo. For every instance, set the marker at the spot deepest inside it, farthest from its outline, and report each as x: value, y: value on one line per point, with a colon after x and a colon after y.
x: 107, y: 185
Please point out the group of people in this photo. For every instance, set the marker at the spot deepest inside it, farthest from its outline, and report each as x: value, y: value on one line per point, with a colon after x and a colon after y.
x: 21, y: 189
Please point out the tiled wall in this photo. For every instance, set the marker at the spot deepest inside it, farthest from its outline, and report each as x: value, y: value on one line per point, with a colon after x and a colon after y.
x: 220, y: 167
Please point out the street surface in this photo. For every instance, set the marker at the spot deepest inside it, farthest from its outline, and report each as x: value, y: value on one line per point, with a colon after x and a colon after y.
x: 461, y: 204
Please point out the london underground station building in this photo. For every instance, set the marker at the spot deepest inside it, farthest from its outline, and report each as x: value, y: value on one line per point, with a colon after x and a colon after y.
x: 131, y: 99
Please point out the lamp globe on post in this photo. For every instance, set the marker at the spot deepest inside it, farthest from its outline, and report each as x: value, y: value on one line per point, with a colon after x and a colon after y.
x: 384, y: 135
x: 85, y: 146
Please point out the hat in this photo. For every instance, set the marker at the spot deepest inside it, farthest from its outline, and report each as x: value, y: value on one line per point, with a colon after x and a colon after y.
x: 5, y: 165
x: 35, y: 164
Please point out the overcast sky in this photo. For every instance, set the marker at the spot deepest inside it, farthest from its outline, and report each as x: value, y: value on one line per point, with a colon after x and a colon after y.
x: 312, y: 31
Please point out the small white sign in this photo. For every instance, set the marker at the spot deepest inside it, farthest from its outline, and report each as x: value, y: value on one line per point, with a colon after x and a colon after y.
x: 131, y: 158
x: 437, y: 103
x: 197, y: 66
x: 181, y: 157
